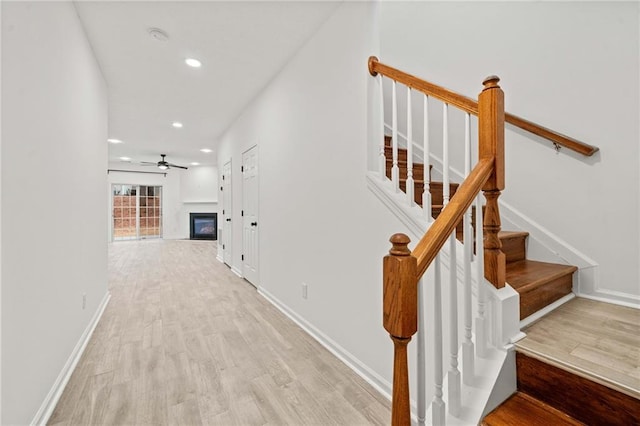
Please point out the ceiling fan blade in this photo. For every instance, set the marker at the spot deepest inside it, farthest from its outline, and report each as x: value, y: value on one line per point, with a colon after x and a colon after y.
x: 148, y: 163
x: 175, y: 165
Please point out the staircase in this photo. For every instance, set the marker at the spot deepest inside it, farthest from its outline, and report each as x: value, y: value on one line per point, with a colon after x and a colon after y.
x: 539, y: 284
x: 469, y: 323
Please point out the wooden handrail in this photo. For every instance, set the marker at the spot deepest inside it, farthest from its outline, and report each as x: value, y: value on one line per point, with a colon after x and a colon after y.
x: 471, y: 106
x: 555, y: 137
x: 431, y: 243
x: 438, y: 92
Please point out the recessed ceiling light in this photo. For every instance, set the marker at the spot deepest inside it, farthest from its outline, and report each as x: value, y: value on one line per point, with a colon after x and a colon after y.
x: 114, y: 141
x: 206, y: 150
x: 193, y: 62
x: 177, y: 124
x: 195, y: 163
x: 125, y: 158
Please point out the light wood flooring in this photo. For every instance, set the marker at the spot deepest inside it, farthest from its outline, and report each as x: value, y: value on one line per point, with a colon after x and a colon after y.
x: 184, y: 341
x: 596, y: 340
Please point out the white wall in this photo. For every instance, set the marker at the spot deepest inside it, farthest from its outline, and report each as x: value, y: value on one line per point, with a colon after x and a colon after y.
x: 184, y: 191
x: 54, y: 157
x: 319, y: 224
x: 572, y: 67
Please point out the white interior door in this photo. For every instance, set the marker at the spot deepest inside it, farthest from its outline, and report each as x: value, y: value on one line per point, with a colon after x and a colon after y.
x: 250, y: 215
x: 226, y: 214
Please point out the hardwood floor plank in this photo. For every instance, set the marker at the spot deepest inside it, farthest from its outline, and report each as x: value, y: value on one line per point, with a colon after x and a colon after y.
x: 151, y: 408
x: 185, y: 341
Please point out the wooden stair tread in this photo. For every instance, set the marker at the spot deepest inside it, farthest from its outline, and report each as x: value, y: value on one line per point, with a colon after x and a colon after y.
x: 507, y: 235
x: 525, y: 275
x: 523, y: 410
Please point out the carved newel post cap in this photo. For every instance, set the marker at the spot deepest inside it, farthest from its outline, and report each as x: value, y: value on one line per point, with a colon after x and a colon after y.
x: 491, y: 81
x: 372, y: 60
x: 400, y: 243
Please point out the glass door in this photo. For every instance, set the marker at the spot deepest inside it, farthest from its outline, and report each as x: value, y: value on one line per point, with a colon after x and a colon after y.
x: 137, y: 212
x: 150, y: 212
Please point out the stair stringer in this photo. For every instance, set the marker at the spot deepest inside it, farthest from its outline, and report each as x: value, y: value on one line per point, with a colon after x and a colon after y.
x: 494, y: 383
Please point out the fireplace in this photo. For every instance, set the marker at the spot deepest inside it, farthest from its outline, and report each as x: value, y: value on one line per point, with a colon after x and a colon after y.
x: 203, y: 226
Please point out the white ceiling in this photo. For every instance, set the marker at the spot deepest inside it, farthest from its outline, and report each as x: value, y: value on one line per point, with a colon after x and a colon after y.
x: 242, y: 46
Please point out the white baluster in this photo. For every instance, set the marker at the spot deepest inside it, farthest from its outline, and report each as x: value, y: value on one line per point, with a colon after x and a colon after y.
x: 454, y: 373
x: 445, y: 154
x: 481, y: 322
x: 426, y: 194
x: 410, y: 185
x: 394, y: 141
x: 438, y: 406
x: 382, y: 166
x: 467, y: 345
x: 422, y: 364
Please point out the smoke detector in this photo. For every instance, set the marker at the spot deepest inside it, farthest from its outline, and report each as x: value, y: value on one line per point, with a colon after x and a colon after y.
x: 158, y: 34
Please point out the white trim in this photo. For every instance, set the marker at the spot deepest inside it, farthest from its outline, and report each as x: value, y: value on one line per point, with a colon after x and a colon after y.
x: 219, y: 257
x: 201, y: 202
x: 370, y: 376
x: 544, y: 311
x: 412, y: 217
x: 236, y: 271
x: 617, y: 298
x: 49, y: 403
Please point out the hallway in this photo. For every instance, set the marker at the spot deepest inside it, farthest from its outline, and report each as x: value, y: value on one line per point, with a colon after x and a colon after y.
x: 185, y: 341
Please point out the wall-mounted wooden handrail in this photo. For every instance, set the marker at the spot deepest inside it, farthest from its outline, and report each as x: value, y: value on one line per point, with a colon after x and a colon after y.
x: 471, y: 106
x: 431, y: 243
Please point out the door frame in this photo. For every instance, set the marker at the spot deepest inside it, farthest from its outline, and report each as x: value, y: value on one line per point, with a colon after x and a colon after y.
x: 227, y: 213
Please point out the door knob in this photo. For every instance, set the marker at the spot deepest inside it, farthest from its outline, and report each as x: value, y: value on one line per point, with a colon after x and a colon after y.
x: 254, y: 223
x: 228, y: 219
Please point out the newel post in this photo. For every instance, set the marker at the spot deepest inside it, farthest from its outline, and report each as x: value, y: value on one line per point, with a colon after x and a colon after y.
x: 400, y: 319
x: 491, y: 146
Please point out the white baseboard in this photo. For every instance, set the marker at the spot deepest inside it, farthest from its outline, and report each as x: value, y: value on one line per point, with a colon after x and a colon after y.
x: 617, y: 298
x: 49, y: 403
x: 370, y: 376
x: 237, y: 271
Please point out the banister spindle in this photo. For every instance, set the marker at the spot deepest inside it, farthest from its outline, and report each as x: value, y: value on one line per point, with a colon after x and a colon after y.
x: 426, y: 192
x: 395, y: 171
x: 382, y: 160
x: 467, y: 344
x: 481, y: 323
x: 445, y: 154
x: 454, y: 373
x: 438, y: 406
x: 409, y: 186
x: 421, y: 357
x: 400, y: 319
x: 491, y: 146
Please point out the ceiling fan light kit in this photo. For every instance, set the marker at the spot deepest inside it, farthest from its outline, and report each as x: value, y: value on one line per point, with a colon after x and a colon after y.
x: 163, y: 164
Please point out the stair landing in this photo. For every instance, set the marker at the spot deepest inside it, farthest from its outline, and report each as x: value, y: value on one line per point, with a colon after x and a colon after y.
x: 595, y: 340
x: 580, y: 364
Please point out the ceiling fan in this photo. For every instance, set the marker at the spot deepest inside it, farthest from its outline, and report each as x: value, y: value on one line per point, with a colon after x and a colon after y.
x: 162, y: 164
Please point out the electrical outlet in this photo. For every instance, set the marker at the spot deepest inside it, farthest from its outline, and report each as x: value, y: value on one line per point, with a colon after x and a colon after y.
x: 84, y: 300
x: 304, y: 290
